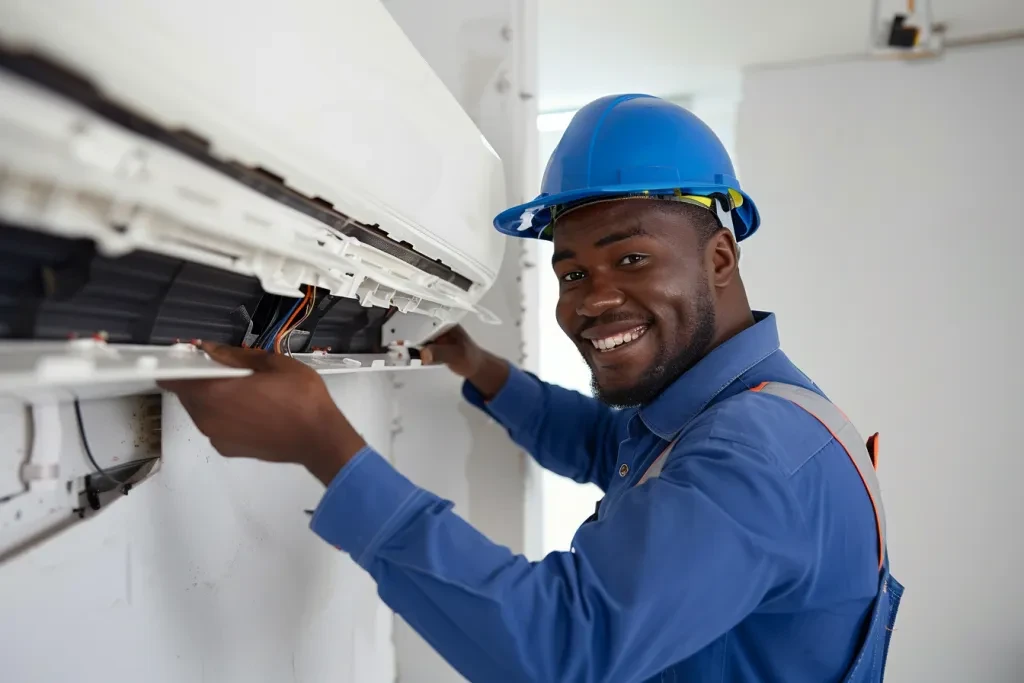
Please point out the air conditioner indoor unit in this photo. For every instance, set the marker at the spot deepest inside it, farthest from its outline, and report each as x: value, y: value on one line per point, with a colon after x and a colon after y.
x: 284, y: 175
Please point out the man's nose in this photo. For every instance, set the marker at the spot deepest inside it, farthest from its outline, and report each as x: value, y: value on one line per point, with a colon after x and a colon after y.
x: 602, y: 297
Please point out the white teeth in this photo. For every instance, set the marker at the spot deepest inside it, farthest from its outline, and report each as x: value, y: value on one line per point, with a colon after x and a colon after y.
x: 611, y: 342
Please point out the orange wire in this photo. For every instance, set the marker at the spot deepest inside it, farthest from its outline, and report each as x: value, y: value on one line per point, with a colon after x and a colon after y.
x: 910, y: 6
x: 284, y: 328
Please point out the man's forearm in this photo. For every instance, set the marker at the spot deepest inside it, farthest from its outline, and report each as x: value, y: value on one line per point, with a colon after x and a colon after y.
x: 536, y: 414
x: 491, y: 376
x: 335, y: 447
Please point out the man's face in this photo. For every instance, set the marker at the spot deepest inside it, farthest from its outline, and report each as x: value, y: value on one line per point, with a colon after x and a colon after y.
x: 634, y: 296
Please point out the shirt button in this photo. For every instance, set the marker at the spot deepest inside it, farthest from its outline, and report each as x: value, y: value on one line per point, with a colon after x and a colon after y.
x: 623, y: 470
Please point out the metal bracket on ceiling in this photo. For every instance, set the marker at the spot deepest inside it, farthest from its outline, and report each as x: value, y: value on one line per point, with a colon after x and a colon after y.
x: 911, y: 34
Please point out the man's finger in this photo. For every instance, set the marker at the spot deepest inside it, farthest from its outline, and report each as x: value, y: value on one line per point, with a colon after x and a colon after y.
x: 237, y: 357
x: 226, y: 448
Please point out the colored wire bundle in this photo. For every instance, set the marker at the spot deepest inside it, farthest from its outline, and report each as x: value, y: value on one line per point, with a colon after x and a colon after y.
x: 271, y: 327
x: 285, y: 339
x: 278, y: 332
x: 274, y: 340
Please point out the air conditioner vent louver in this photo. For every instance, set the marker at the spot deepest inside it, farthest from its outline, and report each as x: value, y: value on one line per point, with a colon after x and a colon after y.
x: 56, y: 288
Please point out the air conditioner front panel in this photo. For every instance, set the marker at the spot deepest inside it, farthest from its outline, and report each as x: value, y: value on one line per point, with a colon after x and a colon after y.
x: 284, y: 175
x: 330, y: 97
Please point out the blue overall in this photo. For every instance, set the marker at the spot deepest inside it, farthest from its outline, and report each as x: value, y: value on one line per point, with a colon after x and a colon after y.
x: 751, y: 556
x: 868, y: 665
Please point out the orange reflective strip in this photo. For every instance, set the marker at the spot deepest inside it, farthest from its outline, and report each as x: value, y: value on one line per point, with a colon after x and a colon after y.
x: 871, y: 497
x: 873, y: 449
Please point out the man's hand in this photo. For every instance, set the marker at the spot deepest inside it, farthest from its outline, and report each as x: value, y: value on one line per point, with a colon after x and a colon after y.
x: 461, y: 354
x: 280, y: 413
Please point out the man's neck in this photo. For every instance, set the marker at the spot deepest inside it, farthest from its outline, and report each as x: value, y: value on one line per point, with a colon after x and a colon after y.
x: 733, y: 327
x: 733, y: 314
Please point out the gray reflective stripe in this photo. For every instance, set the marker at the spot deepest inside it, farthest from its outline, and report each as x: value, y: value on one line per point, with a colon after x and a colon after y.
x: 842, y: 429
x: 659, y: 463
x: 847, y: 436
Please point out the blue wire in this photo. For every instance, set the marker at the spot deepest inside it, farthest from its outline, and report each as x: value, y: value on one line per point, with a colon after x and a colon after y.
x: 269, y: 343
x: 258, y: 344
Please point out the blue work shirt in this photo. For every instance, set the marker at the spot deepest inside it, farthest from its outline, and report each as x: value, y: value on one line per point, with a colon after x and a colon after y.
x: 753, y: 557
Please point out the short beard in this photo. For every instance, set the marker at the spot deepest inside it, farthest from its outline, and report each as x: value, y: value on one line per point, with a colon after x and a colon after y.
x: 666, y: 369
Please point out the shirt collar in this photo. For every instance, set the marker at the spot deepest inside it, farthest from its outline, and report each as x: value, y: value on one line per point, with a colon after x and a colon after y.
x: 696, y: 388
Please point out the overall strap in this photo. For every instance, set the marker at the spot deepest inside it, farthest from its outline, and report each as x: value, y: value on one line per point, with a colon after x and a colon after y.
x: 847, y: 436
x: 654, y: 469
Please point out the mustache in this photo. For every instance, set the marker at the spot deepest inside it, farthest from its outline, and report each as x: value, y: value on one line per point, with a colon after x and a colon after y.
x: 610, y: 318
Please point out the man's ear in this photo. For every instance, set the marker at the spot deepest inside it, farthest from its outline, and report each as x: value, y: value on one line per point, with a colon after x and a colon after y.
x: 723, y: 258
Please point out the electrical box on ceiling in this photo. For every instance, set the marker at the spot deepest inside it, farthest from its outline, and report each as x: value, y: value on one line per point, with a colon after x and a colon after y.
x: 909, y: 33
x: 286, y: 176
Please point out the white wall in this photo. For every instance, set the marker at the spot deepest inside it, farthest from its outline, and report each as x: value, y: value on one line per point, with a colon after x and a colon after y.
x: 208, y: 572
x: 483, y: 50
x: 205, y: 572
x: 891, y: 249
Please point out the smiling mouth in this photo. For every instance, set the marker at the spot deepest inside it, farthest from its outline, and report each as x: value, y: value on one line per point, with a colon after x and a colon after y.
x: 620, y: 340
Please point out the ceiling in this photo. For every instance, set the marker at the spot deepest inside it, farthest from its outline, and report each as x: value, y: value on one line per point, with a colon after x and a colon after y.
x: 671, y: 47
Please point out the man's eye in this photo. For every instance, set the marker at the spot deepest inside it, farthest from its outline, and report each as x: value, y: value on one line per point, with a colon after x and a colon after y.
x: 631, y: 259
x: 572, y: 277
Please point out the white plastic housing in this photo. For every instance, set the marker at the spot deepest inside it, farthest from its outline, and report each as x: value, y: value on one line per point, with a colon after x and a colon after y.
x: 90, y: 369
x: 330, y: 96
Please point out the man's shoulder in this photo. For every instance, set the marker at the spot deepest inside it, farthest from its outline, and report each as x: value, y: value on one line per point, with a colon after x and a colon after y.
x: 775, y: 427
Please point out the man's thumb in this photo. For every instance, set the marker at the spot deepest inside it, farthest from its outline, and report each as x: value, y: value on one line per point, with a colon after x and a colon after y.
x: 437, y: 354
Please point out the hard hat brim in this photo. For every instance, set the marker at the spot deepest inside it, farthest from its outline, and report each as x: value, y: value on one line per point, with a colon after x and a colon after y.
x: 513, y: 221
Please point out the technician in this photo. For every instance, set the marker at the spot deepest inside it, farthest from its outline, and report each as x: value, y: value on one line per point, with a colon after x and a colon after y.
x: 742, y: 534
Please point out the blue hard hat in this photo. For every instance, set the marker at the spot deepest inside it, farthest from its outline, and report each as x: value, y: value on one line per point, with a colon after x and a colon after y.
x: 634, y: 145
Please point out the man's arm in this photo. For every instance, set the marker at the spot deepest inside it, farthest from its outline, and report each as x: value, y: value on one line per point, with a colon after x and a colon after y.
x: 682, y: 560
x: 678, y: 561
x: 568, y: 433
